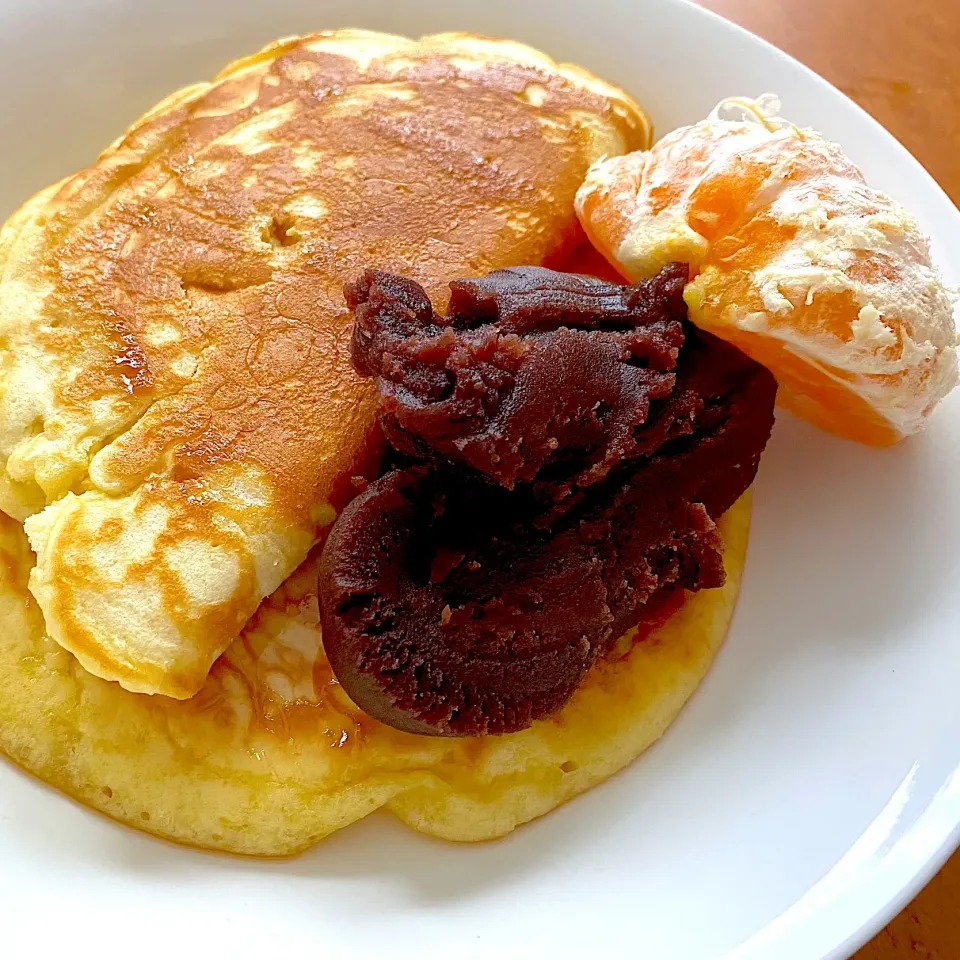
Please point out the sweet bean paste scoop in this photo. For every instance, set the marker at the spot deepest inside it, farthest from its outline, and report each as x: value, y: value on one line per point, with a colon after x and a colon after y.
x: 561, y: 449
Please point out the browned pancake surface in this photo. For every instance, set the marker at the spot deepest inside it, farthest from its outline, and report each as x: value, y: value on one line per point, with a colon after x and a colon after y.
x: 176, y: 387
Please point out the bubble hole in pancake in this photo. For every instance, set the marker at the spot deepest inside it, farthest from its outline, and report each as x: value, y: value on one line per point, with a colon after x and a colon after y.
x: 178, y: 415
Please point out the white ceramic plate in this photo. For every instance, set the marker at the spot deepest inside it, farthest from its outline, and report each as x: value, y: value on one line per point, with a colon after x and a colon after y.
x: 811, y: 786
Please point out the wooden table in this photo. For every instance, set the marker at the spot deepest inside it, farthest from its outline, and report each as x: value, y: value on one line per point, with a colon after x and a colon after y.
x: 903, y: 67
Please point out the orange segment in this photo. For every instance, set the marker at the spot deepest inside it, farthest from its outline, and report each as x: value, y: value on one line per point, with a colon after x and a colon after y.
x: 822, y: 396
x: 795, y: 259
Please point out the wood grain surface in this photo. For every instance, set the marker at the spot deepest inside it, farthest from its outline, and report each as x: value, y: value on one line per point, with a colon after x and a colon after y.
x: 900, y: 60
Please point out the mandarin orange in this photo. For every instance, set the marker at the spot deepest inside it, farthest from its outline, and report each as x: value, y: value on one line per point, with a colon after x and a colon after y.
x: 794, y: 258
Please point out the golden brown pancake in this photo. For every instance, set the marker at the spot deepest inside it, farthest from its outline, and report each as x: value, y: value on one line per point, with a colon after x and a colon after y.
x: 179, y: 419
x: 271, y: 756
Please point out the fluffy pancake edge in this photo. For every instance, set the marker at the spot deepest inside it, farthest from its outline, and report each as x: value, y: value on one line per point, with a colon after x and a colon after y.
x: 242, y: 770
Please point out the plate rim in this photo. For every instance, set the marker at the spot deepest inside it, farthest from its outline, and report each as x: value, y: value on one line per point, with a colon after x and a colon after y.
x: 887, y: 908
x: 884, y: 906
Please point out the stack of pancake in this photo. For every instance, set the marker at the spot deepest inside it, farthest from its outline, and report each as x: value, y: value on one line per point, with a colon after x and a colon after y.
x: 180, y: 423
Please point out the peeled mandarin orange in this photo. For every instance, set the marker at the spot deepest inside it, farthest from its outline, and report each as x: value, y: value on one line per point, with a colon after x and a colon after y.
x: 794, y: 258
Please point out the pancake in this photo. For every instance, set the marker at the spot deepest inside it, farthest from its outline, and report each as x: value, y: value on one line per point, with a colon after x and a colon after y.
x: 271, y: 756
x: 179, y: 421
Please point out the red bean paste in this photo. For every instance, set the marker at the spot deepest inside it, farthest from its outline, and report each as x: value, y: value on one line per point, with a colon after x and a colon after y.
x: 561, y: 449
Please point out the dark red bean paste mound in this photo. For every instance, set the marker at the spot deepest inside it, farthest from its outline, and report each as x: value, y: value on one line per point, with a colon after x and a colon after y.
x: 562, y: 447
